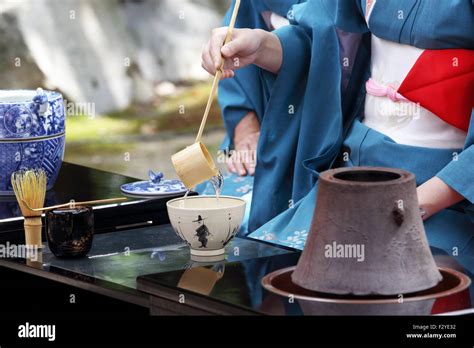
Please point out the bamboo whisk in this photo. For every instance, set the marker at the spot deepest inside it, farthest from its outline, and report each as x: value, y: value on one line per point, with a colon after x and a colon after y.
x: 30, y: 187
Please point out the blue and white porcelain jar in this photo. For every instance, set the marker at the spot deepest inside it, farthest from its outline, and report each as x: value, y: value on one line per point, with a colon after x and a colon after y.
x: 32, y: 134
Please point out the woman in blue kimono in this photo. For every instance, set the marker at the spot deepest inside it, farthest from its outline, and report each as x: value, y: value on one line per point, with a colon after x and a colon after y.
x: 242, y: 101
x: 364, y: 83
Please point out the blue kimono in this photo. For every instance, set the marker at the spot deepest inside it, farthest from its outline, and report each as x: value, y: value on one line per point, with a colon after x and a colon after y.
x: 326, y: 100
x: 244, y: 93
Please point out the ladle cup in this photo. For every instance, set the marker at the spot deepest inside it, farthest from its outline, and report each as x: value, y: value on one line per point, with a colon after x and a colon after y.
x: 194, y: 165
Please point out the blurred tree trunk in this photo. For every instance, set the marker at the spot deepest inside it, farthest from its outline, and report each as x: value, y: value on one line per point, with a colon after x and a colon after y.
x: 109, y: 52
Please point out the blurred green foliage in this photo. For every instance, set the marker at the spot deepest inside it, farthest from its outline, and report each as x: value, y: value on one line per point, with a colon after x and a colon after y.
x: 178, y: 113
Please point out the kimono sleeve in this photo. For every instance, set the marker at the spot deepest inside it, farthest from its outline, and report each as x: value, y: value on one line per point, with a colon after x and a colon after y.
x: 244, y: 93
x: 296, y: 42
x: 237, y: 97
x: 459, y: 173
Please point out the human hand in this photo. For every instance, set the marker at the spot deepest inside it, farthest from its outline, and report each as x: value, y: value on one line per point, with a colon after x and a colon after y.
x: 248, y: 46
x: 243, y: 159
x: 435, y: 195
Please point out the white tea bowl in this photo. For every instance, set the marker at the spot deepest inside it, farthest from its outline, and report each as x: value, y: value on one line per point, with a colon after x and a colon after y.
x: 205, y: 223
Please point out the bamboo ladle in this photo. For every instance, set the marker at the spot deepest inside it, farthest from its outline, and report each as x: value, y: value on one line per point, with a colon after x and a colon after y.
x: 194, y: 164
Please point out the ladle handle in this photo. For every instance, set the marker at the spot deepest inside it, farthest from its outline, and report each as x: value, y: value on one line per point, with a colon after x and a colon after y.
x: 218, y: 75
x: 65, y: 205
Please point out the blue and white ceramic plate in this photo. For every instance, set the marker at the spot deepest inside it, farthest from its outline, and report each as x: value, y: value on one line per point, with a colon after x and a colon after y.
x: 156, y: 186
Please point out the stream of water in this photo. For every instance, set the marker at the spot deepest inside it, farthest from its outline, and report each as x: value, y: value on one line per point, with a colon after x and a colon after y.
x: 217, y: 183
x: 182, y: 203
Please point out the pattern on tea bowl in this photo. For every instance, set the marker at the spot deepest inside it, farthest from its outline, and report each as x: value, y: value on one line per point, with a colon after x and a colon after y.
x: 206, y: 226
x: 33, y: 154
x: 32, y: 134
x: 35, y: 114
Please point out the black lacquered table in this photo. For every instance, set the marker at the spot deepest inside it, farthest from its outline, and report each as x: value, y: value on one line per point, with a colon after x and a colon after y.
x: 239, y: 290
x: 132, y: 239
x: 85, y: 184
x: 137, y: 259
